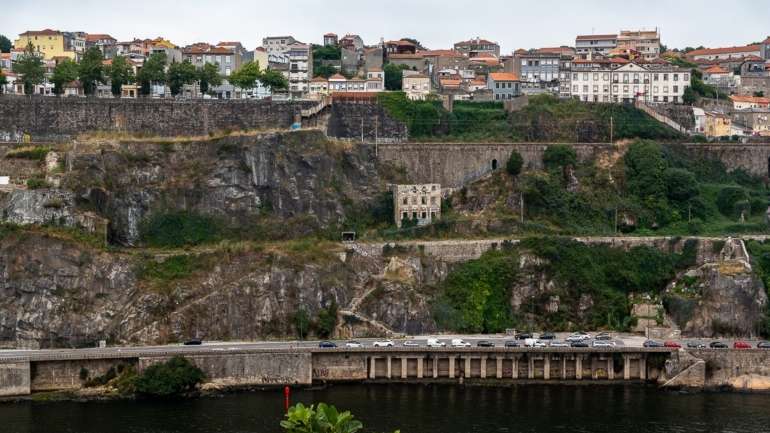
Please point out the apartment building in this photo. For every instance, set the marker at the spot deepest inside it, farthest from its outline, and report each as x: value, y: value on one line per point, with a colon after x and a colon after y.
x: 300, y: 59
x: 277, y: 44
x: 538, y: 71
x: 504, y: 85
x: 616, y: 80
x: 227, y: 58
x: 645, y: 42
x: 475, y: 47
x: 50, y: 43
x: 587, y: 46
x: 725, y: 53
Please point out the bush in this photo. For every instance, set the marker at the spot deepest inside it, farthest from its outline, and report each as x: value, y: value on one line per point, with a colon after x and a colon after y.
x: 731, y: 200
x: 514, y: 164
x: 36, y: 153
x: 171, y: 378
x: 179, y: 229
x: 171, y: 269
x: 37, y: 183
x: 327, y: 320
x: 681, y: 185
x: 559, y: 156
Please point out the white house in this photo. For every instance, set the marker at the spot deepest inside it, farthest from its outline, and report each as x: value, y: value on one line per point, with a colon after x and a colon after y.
x: 602, y: 82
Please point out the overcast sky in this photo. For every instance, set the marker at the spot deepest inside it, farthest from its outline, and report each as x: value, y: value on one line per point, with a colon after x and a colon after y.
x: 436, y: 23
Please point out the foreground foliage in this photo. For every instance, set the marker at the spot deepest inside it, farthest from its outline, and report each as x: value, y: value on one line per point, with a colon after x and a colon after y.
x: 173, y: 377
x: 322, y: 419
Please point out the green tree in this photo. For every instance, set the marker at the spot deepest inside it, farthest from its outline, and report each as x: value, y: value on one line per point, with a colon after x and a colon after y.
x: 689, y: 97
x: 274, y: 80
x: 120, y: 73
x: 394, y: 76
x: 327, y: 320
x: 3, y: 82
x: 325, y: 71
x: 30, y: 66
x: 514, y: 164
x: 559, y: 156
x: 66, y: 71
x: 5, y: 44
x: 180, y: 74
x: 644, y: 167
x: 91, y: 70
x: 153, y: 72
x: 301, y: 321
x: 759, y: 94
x: 246, y: 76
x: 681, y: 185
x: 173, y: 377
x: 208, y: 76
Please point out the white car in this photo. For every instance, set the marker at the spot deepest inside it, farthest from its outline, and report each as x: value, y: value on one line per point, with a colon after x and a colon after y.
x: 578, y: 336
x: 353, y: 344
x: 533, y: 342
x: 434, y: 342
x: 411, y: 343
x: 383, y: 343
x: 460, y: 343
x: 603, y: 343
x: 557, y: 343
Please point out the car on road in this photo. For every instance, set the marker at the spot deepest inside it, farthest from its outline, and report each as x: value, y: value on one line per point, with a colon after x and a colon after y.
x: 603, y: 336
x: 763, y: 345
x: 193, y: 342
x: 353, y: 344
x: 696, y: 345
x: 557, y: 343
x: 547, y: 336
x: 485, y: 343
x: 327, y: 345
x: 578, y: 336
x: 434, y: 342
x: 383, y: 343
x: 523, y: 335
x: 411, y: 343
x: 652, y: 343
x: 578, y: 344
x: 456, y: 342
x: 718, y: 345
x: 603, y: 343
x: 741, y: 345
x: 672, y: 344
x: 511, y: 343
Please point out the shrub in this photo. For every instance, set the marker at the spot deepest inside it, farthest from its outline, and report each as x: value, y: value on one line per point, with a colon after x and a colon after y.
x: 173, y: 377
x: 36, y: 153
x: 327, y: 320
x: 514, y: 164
x: 681, y: 185
x: 37, y: 183
x: 178, y: 229
x: 171, y: 269
x: 731, y: 200
x: 559, y: 156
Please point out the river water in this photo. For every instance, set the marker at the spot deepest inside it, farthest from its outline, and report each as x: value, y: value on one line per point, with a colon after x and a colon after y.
x: 415, y: 409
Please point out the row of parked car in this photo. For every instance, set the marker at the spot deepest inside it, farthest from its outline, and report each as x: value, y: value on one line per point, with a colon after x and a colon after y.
x: 702, y: 345
x: 525, y: 339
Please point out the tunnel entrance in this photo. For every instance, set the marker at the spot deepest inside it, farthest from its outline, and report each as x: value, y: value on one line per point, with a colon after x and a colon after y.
x: 494, y: 164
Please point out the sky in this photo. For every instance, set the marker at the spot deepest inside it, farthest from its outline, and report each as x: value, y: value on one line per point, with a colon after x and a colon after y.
x: 436, y: 23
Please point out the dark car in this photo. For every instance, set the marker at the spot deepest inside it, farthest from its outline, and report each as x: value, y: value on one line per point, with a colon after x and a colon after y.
x: 547, y: 336
x: 718, y: 345
x: 695, y: 345
x: 579, y: 344
x: 327, y: 345
x: 511, y: 343
x: 193, y: 342
x: 763, y: 345
x: 652, y: 343
x: 603, y: 336
x: 485, y: 343
x: 523, y: 335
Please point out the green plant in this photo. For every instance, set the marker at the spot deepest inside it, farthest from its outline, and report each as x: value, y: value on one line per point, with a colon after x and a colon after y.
x: 37, y: 183
x: 166, y: 379
x: 732, y: 200
x: 514, y: 164
x: 559, y: 156
x: 36, y: 153
x: 301, y: 320
x: 179, y: 228
x: 327, y: 320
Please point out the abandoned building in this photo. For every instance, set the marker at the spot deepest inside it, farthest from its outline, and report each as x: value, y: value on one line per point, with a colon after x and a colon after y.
x: 420, y: 203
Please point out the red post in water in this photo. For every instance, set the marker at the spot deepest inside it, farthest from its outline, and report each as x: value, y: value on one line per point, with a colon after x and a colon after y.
x: 286, y: 395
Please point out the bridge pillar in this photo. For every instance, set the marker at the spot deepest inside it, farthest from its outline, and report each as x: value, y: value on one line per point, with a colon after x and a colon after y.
x: 563, y: 367
x: 515, y: 369
x: 547, y: 366
x: 594, y: 368
x: 610, y: 368
x: 419, y: 368
x: 499, y: 372
x: 483, y: 367
x: 531, y: 367
x: 451, y: 367
x: 404, y: 362
x: 626, y: 367
x: 578, y: 367
x: 373, y: 367
x: 435, y: 367
x: 388, y: 368
x: 643, y: 367
x: 467, y: 372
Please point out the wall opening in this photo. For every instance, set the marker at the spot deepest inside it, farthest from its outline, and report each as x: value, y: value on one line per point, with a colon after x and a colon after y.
x: 768, y: 167
x: 494, y: 164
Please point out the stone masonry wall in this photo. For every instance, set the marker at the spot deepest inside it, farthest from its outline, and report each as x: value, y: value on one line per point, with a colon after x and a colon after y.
x: 47, y: 118
x: 349, y: 120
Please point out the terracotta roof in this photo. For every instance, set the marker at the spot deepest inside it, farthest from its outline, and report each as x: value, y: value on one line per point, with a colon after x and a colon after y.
x: 423, y: 76
x: 555, y: 50
x: 229, y: 44
x: 46, y: 32
x: 375, y: 69
x: 97, y: 37
x: 521, y: 51
x: 260, y: 49
x: 486, y: 61
x: 400, y: 42
x: 716, y: 69
x: 209, y: 50
x: 331, y: 34
x: 441, y: 53
x: 595, y: 37
x: 619, y: 60
x: 405, y: 56
x: 338, y: 77
x: 712, y: 51
x: 503, y: 76
x: 590, y: 61
x: 449, y: 82
x: 750, y: 99
x: 319, y: 79
x: 476, y: 42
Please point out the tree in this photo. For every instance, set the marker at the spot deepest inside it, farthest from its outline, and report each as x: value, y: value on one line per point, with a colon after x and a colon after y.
x: 681, y: 185
x: 180, y: 74
x: 689, y: 97
x: 30, y: 66
x: 416, y: 43
x: 3, y: 82
x: 559, y: 156
x: 119, y: 73
x: 274, y: 80
x: 208, y: 76
x: 153, y: 72
x: 91, y: 70
x: 394, y: 76
x: 301, y: 322
x: 514, y: 164
x: 5, y: 44
x: 66, y: 71
x: 246, y: 77
x: 759, y: 94
x: 644, y: 166
x: 327, y: 320
x: 322, y: 419
x: 173, y: 377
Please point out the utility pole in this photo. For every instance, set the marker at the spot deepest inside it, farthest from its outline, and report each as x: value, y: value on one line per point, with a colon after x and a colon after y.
x: 376, y: 134
x: 616, y: 221
x: 362, y: 128
x: 521, y: 206
x: 612, y: 129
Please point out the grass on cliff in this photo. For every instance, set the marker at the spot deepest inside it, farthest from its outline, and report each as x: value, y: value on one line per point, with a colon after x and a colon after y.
x: 592, y: 283
x: 545, y: 119
x: 760, y: 258
x: 35, y: 153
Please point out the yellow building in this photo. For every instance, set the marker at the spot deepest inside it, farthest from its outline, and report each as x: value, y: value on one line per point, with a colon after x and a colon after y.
x: 718, y: 125
x: 51, y: 43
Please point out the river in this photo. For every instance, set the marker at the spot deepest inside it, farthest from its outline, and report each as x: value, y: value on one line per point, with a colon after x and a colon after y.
x: 415, y: 409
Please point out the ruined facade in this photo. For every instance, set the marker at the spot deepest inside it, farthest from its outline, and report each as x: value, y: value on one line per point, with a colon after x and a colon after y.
x: 421, y: 203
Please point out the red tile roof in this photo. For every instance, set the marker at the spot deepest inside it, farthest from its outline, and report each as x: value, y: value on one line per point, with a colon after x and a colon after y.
x: 595, y: 37
x: 716, y: 69
x: 475, y: 42
x: 750, y: 99
x: 97, y: 37
x: 46, y: 32
x: 714, y: 51
x: 441, y: 53
x: 503, y: 76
